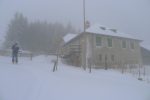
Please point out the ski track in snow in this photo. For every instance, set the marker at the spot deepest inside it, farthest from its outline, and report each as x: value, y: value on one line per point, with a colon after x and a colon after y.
x: 34, y: 80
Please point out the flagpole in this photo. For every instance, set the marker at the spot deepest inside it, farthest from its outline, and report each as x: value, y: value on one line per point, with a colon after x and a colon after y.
x: 84, y: 14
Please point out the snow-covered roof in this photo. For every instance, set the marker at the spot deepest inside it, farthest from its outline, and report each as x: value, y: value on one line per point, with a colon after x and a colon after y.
x: 102, y: 30
x: 69, y: 37
x: 24, y: 51
x: 99, y: 29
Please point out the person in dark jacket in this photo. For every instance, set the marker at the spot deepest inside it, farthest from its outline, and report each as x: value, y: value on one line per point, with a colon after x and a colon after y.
x: 15, y: 50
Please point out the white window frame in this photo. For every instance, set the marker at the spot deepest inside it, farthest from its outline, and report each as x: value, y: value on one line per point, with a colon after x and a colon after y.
x: 122, y: 45
x: 108, y: 42
x: 96, y: 41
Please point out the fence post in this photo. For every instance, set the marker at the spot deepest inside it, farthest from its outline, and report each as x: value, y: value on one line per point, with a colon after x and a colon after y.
x: 90, y: 65
x: 140, y: 78
x: 31, y: 56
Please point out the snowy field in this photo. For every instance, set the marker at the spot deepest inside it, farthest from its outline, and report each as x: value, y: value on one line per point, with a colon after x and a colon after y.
x: 34, y: 80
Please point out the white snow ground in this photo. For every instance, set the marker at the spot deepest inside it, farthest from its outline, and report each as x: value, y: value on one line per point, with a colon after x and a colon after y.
x: 34, y: 80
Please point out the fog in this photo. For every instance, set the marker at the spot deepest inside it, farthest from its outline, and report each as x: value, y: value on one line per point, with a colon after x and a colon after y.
x: 128, y: 16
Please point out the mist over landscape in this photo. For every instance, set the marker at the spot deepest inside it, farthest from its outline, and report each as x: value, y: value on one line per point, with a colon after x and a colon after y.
x: 128, y: 16
x: 74, y: 50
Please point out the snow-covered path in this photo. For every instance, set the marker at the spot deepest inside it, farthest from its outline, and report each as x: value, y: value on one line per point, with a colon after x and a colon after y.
x: 34, y: 80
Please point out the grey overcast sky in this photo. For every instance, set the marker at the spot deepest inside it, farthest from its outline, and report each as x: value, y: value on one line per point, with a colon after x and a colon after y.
x: 128, y: 16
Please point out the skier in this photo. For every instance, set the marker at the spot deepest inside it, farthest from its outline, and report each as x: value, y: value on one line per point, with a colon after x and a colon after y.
x: 15, y: 50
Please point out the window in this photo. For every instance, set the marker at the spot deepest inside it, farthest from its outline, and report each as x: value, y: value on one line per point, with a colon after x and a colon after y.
x: 100, y: 57
x: 103, y: 28
x: 112, y: 58
x: 109, y: 41
x: 123, y: 44
x: 98, y: 41
x: 132, y: 45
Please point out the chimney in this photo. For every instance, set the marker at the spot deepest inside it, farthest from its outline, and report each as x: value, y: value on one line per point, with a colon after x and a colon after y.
x: 87, y: 24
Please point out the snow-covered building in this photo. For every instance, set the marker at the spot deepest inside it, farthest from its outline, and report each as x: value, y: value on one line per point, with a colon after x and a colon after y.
x: 101, y: 47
